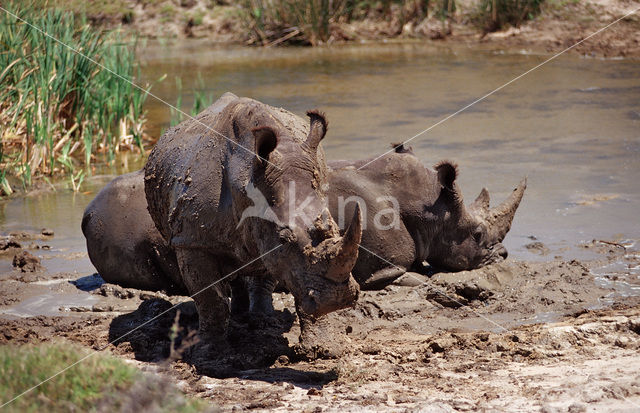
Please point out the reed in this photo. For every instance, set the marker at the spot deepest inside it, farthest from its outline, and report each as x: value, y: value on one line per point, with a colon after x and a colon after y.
x: 59, y: 110
x: 493, y: 15
x: 294, y: 21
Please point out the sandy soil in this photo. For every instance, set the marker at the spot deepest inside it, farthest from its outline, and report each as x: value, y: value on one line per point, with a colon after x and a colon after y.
x: 546, y: 336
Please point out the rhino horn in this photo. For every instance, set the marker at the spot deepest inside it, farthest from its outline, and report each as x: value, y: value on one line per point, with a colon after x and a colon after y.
x: 317, y: 128
x: 481, y: 205
x: 499, y: 218
x: 346, y: 249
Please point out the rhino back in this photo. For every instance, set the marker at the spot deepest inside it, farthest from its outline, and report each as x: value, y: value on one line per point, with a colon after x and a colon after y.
x: 196, y: 176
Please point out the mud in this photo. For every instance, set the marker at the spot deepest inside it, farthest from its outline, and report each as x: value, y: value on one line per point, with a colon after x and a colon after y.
x: 516, y: 335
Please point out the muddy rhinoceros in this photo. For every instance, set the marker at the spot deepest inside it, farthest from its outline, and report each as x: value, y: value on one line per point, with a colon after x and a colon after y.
x: 201, y: 179
x: 411, y: 214
x: 123, y: 242
x: 416, y: 214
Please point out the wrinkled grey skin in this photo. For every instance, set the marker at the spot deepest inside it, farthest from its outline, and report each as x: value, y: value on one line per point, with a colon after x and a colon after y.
x: 434, y: 226
x: 123, y: 242
x: 196, y: 184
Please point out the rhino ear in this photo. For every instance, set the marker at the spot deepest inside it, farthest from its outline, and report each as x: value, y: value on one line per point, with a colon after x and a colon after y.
x: 447, y: 174
x: 317, y: 128
x: 265, y: 142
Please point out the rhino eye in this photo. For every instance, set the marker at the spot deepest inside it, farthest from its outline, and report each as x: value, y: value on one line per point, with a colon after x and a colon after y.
x: 477, y: 235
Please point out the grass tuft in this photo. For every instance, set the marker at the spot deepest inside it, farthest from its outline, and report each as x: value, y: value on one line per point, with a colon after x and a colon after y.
x: 99, y: 383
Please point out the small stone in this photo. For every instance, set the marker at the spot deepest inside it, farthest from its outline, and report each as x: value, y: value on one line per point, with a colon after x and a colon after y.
x: 314, y: 392
x: 101, y: 308
x: 27, y: 262
x: 47, y: 232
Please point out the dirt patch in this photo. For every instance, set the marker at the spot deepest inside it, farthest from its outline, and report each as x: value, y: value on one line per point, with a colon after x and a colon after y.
x: 513, y: 335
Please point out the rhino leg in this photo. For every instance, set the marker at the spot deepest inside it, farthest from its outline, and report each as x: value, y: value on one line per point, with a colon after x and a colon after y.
x: 260, y: 294
x: 382, y: 278
x: 200, y: 273
x: 239, y: 295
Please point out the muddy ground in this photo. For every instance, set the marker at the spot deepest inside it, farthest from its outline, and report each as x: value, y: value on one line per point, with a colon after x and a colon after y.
x: 548, y: 336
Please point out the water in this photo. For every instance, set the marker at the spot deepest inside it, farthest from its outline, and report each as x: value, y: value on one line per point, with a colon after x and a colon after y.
x: 572, y: 127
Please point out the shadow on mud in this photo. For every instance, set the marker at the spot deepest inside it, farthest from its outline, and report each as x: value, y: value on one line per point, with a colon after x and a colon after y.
x: 255, y: 343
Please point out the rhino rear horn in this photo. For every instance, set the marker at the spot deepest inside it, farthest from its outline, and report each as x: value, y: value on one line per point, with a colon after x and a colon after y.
x: 481, y: 205
x: 347, y: 249
x: 499, y: 218
x: 317, y: 128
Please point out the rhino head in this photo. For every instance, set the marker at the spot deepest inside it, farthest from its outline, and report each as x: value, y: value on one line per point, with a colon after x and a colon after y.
x: 470, y: 237
x: 314, y: 260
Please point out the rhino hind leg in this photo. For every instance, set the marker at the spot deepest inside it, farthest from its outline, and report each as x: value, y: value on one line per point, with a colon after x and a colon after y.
x: 202, y: 273
x: 260, y: 289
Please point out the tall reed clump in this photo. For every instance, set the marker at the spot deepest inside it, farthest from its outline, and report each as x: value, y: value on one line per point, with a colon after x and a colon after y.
x: 492, y: 15
x: 302, y: 21
x: 58, y: 109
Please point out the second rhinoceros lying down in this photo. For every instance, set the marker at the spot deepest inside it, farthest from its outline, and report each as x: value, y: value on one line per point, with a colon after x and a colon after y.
x: 197, y: 183
x: 411, y: 214
x: 425, y: 220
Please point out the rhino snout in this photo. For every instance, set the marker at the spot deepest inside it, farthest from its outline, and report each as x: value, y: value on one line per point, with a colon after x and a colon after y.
x: 500, y: 251
x: 330, y: 297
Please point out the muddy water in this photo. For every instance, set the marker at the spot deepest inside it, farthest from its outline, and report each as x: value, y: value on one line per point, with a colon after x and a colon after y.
x: 572, y: 127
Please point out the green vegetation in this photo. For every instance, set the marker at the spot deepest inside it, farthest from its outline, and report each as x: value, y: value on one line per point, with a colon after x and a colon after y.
x: 98, y: 383
x: 201, y: 101
x: 56, y: 104
x: 271, y: 22
x: 492, y: 15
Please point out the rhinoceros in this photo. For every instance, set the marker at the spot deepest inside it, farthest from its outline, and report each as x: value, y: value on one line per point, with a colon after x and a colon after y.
x: 199, y: 179
x: 431, y: 224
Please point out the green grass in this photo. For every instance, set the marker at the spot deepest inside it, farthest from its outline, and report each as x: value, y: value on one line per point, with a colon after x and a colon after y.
x: 99, y: 383
x: 58, y: 110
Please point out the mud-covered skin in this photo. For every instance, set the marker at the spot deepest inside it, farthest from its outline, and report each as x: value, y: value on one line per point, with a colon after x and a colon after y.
x: 197, y: 185
x: 434, y: 224
x: 123, y: 242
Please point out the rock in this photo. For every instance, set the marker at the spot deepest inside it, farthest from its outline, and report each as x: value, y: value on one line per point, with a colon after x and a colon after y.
x: 537, y: 247
x: 101, y: 308
x: 27, y: 262
x: 8, y: 242
x: 47, y: 232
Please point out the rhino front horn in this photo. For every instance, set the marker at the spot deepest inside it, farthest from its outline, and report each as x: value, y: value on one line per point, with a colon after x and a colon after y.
x: 499, y: 218
x: 347, y: 249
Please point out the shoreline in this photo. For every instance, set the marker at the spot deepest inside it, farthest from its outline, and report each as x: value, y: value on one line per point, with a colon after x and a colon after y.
x: 559, y: 26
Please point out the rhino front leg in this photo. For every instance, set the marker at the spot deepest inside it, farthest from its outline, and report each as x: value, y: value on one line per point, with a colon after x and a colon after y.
x: 201, y: 273
x: 381, y: 278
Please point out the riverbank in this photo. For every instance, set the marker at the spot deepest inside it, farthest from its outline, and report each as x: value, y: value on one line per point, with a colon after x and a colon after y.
x: 517, y: 335
x: 560, y: 24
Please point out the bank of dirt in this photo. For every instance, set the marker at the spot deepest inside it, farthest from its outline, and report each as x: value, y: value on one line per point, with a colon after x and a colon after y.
x: 560, y: 24
x: 516, y: 335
